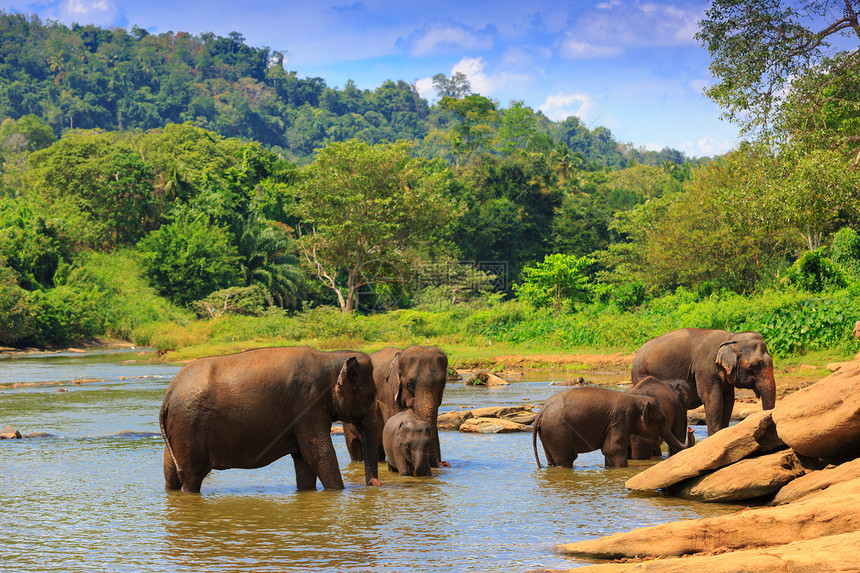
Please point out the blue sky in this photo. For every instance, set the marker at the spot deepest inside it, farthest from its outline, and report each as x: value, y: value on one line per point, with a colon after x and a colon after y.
x: 634, y: 67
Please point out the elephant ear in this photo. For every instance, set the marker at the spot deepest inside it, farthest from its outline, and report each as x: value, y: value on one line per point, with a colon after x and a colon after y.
x: 727, y: 359
x: 395, y: 380
x: 348, y: 372
x: 647, y: 413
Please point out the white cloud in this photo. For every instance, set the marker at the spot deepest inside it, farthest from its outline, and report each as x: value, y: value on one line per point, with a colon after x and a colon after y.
x: 560, y: 106
x: 438, y: 37
x: 425, y: 88
x: 622, y: 24
x: 574, y: 49
x: 84, y: 7
x: 707, y: 146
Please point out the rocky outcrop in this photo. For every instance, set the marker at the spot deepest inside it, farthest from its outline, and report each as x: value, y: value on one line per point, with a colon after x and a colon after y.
x: 748, y: 479
x: 833, y: 511
x: 823, y: 420
x: 485, y: 379
x: 834, y: 553
x: 518, y: 417
x: 755, y: 435
x: 816, y: 481
x: 492, y: 426
x: 10, y: 433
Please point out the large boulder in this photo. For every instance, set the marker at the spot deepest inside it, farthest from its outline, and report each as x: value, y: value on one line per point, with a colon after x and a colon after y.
x: 833, y: 511
x: 756, y: 434
x: 835, y: 553
x: 485, y: 379
x: 747, y: 479
x: 521, y: 415
x: 10, y: 433
x: 816, y: 481
x: 452, y: 420
x: 492, y: 426
x: 823, y: 420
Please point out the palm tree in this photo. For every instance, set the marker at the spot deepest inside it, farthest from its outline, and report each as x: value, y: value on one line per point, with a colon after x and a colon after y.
x: 565, y: 163
x: 264, y: 258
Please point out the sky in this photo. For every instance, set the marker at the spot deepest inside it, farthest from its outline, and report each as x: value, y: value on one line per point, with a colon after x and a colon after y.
x: 633, y: 67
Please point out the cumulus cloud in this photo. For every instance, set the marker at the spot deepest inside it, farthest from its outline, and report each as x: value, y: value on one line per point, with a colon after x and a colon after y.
x: 560, y: 106
x: 707, y: 146
x: 99, y: 12
x: 612, y: 26
x: 441, y: 37
x: 483, y: 82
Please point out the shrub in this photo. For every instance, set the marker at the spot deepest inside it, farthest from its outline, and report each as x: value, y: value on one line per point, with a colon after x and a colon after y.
x: 814, y: 272
x: 845, y: 251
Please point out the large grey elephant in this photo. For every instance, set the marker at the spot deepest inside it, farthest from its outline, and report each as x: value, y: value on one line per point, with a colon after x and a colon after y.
x: 249, y: 409
x: 712, y: 363
x: 587, y: 418
x: 413, y: 379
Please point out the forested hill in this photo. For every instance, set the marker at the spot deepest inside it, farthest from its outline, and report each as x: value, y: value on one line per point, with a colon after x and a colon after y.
x: 84, y: 77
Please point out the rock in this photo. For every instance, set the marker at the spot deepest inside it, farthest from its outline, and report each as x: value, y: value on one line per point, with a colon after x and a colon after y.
x: 10, y: 433
x: 452, y: 420
x: 40, y: 435
x: 823, y: 420
x: 835, y: 553
x: 756, y: 434
x: 833, y: 511
x: 816, y: 481
x: 486, y: 379
x: 522, y: 415
x: 492, y: 426
x: 747, y: 479
x: 857, y: 329
x: 337, y: 430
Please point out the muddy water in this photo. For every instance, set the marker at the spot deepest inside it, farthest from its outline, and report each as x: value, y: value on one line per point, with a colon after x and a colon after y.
x: 89, y: 500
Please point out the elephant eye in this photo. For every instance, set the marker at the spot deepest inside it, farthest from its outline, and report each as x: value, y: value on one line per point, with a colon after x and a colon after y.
x: 410, y: 385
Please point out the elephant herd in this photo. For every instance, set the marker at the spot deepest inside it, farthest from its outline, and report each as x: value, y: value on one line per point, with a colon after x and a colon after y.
x: 249, y: 409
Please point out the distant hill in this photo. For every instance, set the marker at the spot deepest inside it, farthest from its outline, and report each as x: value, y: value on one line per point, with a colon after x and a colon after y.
x: 113, y: 79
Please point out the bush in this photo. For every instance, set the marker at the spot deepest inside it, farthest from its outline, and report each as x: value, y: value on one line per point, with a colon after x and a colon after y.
x: 814, y: 272
x: 247, y: 301
x: 64, y: 315
x: 845, y: 251
x: 189, y: 258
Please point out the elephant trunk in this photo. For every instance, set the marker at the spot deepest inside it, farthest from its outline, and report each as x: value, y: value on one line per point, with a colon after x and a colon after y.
x: 428, y: 411
x: 766, y: 389
x: 672, y: 440
x: 371, y: 437
x: 420, y: 463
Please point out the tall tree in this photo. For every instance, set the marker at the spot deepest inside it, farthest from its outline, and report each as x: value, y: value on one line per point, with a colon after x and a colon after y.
x: 364, y: 209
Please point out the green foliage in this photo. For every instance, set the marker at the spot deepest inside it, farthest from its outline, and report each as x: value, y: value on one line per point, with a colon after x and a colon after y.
x: 815, y: 272
x: 15, y: 314
x: 30, y: 244
x: 845, y: 251
x: 560, y: 280
x: 64, y: 314
x: 189, y: 258
x: 250, y: 301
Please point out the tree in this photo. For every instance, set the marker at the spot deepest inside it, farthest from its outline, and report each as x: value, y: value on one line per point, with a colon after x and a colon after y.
x: 456, y: 87
x: 558, y: 279
x: 189, y: 258
x: 477, y: 115
x: 760, y: 47
x: 366, y: 212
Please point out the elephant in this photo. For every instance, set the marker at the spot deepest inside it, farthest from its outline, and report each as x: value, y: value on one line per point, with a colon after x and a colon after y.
x: 671, y: 397
x: 412, y: 379
x: 407, y: 440
x: 712, y: 363
x: 249, y: 409
x: 587, y: 418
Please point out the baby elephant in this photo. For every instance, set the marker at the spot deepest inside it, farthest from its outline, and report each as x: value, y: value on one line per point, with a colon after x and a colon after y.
x: 407, y: 440
x: 587, y: 418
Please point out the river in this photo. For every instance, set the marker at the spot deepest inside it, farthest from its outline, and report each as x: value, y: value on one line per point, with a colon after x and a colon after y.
x: 92, y: 498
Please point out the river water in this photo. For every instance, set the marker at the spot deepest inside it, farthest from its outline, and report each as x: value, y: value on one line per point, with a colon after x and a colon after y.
x: 92, y: 498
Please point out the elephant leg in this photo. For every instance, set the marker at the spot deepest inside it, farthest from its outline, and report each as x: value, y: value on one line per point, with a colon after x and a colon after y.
x: 402, y: 462
x: 713, y: 411
x: 317, y: 450
x: 305, y: 476
x: 641, y: 449
x: 728, y: 406
x: 171, y: 476
x: 353, y: 442
x: 615, y: 450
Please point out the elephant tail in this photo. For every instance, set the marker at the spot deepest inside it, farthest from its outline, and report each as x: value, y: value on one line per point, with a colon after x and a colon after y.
x: 162, y: 417
x: 535, y: 432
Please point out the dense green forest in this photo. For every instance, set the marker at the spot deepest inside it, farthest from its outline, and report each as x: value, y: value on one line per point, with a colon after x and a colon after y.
x: 174, y: 188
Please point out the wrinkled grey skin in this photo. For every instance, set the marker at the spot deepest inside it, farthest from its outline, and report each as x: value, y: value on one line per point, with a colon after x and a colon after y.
x: 412, y: 379
x: 407, y: 441
x: 587, y: 418
x: 247, y: 410
x: 712, y: 363
x: 671, y: 397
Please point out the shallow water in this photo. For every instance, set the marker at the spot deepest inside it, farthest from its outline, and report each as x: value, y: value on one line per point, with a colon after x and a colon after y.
x: 87, y: 499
